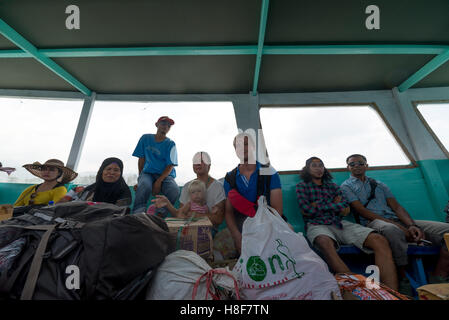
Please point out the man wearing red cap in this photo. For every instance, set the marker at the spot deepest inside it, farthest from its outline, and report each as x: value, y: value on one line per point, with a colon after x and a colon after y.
x: 157, y: 158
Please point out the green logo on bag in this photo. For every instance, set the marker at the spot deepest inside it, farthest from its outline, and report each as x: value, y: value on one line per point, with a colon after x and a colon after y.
x: 256, y: 268
x: 285, y: 251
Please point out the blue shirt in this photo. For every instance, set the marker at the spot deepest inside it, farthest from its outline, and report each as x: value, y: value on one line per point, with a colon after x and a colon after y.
x: 248, y: 189
x: 355, y: 189
x: 158, y: 155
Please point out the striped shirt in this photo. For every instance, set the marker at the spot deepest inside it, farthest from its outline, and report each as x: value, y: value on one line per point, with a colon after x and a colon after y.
x: 198, y: 208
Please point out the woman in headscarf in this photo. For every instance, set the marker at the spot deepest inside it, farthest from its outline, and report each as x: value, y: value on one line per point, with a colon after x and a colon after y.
x: 109, y: 186
x: 54, y: 174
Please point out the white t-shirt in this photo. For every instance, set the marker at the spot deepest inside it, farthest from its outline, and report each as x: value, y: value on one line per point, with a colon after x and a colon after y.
x: 214, y: 194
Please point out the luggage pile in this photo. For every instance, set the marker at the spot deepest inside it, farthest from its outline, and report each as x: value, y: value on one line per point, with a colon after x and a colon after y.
x: 97, y: 251
x: 80, y: 251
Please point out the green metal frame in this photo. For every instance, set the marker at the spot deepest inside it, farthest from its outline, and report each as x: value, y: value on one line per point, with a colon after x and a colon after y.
x: 26, y: 46
x: 260, y: 42
x: 431, y: 66
x: 44, y: 55
x: 229, y: 50
x: 134, y: 52
x: 355, y: 49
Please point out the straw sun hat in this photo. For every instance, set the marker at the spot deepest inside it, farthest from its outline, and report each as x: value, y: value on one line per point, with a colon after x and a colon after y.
x: 67, y: 173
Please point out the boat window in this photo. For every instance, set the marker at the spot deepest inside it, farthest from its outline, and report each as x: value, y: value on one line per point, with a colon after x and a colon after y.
x: 35, y: 130
x: 436, y: 116
x: 115, y: 128
x: 294, y: 134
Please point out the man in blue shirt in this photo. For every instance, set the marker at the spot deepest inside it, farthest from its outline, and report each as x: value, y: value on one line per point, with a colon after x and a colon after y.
x: 245, y: 184
x: 384, y: 214
x: 157, y: 158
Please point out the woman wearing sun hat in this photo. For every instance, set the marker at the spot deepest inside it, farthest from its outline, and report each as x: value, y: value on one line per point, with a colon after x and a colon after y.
x: 55, y: 175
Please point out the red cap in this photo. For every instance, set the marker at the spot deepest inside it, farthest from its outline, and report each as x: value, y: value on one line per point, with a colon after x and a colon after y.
x: 165, y: 118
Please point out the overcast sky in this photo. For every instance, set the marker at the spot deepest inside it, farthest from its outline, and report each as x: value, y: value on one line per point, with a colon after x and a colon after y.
x: 37, y: 130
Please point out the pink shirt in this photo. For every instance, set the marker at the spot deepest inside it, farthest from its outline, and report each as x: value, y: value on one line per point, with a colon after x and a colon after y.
x: 197, y: 208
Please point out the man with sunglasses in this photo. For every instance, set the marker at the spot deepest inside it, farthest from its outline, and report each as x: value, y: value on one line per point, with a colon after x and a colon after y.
x: 157, y: 160
x: 379, y: 210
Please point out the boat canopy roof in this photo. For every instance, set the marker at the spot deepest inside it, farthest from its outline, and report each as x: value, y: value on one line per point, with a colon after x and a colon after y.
x: 223, y: 47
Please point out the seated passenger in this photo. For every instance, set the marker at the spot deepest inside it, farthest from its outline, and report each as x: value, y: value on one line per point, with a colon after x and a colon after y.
x: 157, y: 160
x: 215, y: 196
x: 384, y: 214
x: 323, y: 207
x: 245, y: 184
x: 109, y: 186
x: 55, y: 175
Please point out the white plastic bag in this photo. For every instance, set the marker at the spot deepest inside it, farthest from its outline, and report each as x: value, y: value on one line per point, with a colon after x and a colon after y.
x: 277, y: 263
x: 184, y: 275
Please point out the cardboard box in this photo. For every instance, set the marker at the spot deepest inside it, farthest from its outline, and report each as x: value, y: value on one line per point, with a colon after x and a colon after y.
x: 6, y: 211
x: 195, y: 235
x: 439, y: 291
x: 446, y: 238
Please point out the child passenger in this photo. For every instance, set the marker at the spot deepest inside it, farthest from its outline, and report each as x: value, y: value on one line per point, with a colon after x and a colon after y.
x: 196, y: 206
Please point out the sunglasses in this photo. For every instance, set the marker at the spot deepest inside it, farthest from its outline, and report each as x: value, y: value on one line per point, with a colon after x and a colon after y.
x: 354, y: 163
x: 163, y: 122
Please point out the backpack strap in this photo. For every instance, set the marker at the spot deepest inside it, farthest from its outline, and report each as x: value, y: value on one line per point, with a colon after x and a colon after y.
x: 263, y: 183
x: 263, y: 186
x: 373, y: 185
x: 231, y: 178
x: 372, y: 195
x: 33, y: 274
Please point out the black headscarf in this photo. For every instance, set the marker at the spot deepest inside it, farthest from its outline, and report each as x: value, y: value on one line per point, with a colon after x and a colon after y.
x: 110, y: 192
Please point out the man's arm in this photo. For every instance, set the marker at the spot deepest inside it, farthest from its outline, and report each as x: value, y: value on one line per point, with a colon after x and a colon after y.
x: 276, y: 200
x: 140, y: 164
x: 369, y: 215
x: 403, y: 215
x: 232, y: 226
x: 400, y: 211
x: 355, y: 203
x: 158, y: 183
x: 166, y: 172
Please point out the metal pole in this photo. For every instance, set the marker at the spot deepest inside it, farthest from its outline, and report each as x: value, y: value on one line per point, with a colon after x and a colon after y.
x: 81, y: 132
